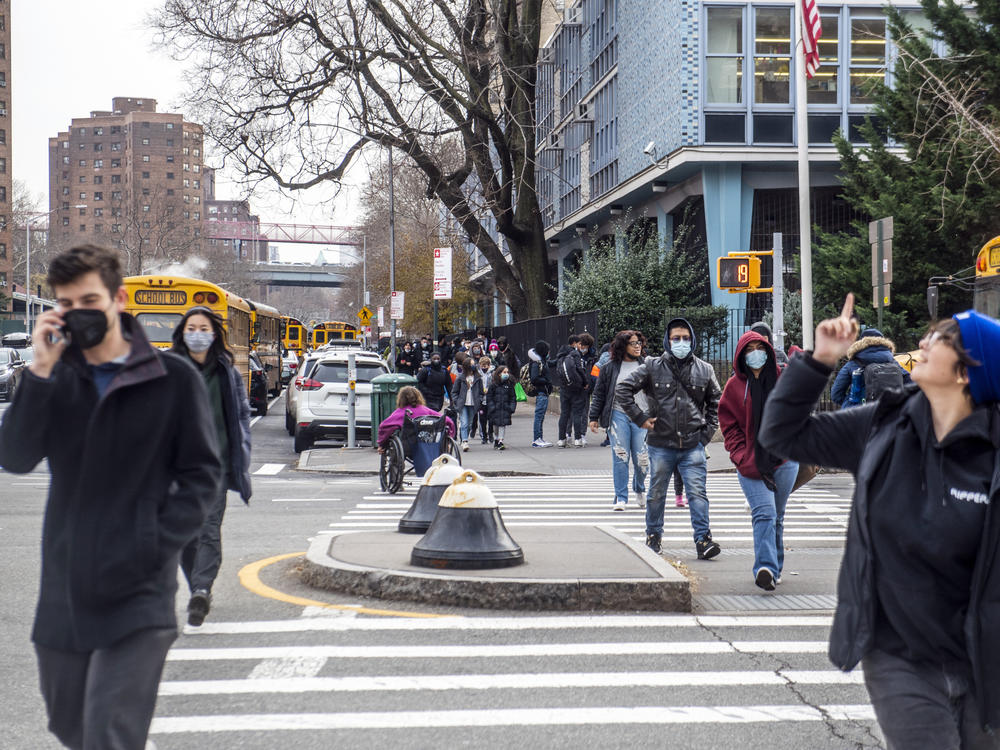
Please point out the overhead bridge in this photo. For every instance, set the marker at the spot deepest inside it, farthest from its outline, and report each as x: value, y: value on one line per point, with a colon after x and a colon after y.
x: 297, y: 274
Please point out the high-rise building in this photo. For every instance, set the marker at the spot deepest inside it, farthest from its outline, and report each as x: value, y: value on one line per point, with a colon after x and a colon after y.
x: 129, y: 178
x: 6, y: 171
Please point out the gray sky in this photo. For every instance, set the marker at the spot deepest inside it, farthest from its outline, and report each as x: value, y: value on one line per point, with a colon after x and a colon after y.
x: 70, y: 58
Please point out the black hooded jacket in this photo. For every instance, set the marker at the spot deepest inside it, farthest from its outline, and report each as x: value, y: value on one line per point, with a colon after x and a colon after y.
x: 132, y: 473
x: 683, y: 396
x: 935, y: 482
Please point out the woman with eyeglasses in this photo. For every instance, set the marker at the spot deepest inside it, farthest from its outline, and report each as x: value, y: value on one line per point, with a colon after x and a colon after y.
x: 627, y: 438
x: 918, y: 597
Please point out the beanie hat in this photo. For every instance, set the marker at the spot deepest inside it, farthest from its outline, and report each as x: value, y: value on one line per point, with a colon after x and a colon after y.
x: 872, y: 332
x: 542, y: 349
x: 981, y: 339
x: 494, y: 347
x: 764, y: 330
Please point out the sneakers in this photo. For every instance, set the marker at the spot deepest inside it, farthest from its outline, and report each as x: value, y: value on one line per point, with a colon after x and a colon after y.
x: 561, y: 443
x: 499, y: 446
x: 198, y: 606
x: 640, y: 499
x: 765, y: 579
x: 680, y: 502
x: 777, y: 581
x: 483, y: 441
x: 465, y: 446
x: 580, y: 443
x: 619, y: 505
x: 653, y: 542
x: 707, y: 549
x: 606, y: 442
x: 540, y: 443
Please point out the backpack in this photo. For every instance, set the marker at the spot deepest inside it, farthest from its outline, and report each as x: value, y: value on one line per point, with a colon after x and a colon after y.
x: 524, y: 378
x: 566, y: 374
x: 880, y: 377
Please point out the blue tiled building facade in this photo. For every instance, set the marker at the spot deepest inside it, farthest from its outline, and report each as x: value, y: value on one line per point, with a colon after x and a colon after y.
x: 655, y: 109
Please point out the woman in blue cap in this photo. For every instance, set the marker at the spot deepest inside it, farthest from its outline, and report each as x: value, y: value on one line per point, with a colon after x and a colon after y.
x: 918, y: 597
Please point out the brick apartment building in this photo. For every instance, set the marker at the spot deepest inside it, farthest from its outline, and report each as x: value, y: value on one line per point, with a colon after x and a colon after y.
x: 129, y: 178
x: 229, y: 226
x: 6, y: 171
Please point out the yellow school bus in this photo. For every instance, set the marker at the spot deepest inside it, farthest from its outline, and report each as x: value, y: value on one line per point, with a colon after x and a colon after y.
x: 265, y: 339
x: 333, y: 330
x: 159, y: 302
x: 294, y: 335
x: 986, y: 292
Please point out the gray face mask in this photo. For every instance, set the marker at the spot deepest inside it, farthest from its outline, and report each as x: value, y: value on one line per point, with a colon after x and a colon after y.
x: 198, y: 341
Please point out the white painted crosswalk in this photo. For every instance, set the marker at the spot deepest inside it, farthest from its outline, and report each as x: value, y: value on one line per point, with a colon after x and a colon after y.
x: 352, y: 679
x: 812, y: 515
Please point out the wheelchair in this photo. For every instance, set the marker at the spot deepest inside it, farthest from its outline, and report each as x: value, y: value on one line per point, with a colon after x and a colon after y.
x: 412, y: 448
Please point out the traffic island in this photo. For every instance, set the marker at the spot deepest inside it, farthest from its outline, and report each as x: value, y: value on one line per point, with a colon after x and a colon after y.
x: 579, y: 568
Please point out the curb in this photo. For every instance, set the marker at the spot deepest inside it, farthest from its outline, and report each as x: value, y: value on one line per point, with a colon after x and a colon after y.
x: 668, y: 591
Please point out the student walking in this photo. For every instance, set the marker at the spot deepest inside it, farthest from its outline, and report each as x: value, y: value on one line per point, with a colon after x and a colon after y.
x: 538, y: 375
x: 127, y: 494
x: 918, y: 597
x: 628, y: 440
x: 765, y: 479
x: 201, y: 338
x: 467, y: 394
x: 572, y: 380
x: 682, y: 416
x: 433, y: 382
x: 501, y: 402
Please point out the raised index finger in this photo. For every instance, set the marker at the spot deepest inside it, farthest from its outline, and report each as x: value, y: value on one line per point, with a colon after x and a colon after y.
x: 848, y: 306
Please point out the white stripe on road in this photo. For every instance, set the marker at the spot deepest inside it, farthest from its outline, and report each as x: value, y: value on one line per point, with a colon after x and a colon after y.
x: 282, y: 670
x: 306, y: 499
x: 608, y: 715
x: 269, y: 469
x: 495, y: 651
x: 554, y: 622
x: 532, y: 681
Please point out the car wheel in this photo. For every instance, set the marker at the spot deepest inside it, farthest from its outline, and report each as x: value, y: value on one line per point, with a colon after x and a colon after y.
x: 303, y: 441
x: 262, y: 408
x: 289, y: 424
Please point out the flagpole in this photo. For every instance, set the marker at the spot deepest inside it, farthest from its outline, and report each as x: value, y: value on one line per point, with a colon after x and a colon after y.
x: 802, y: 141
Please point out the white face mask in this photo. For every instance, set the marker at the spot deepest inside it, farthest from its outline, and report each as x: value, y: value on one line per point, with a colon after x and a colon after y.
x: 198, y: 341
x: 755, y: 359
x: 680, y: 349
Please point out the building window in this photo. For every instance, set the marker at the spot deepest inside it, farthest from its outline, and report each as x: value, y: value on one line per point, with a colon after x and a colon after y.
x: 82, y: 146
x: 197, y: 168
x: 98, y: 147
x: 197, y: 200
x: 169, y: 126
x: 145, y: 141
x: 170, y: 191
x: 187, y: 214
x: 83, y: 179
x: 772, y: 55
x: 116, y: 228
x: 116, y: 163
x: 197, y: 215
x: 116, y: 129
x: 98, y: 212
x: 145, y: 225
x: 3, y: 251
x: 98, y: 179
x: 65, y: 221
x: 83, y: 212
x: 724, y: 64
x: 98, y: 163
x: 187, y: 183
x: 65, y: 190
x: 196, y: 152
x: 197, y: 183
x: 116, y: 179
x: 116, y: 195
x: 116, y: 211
x: 867, y: 54
x: 65, y: 160
x: 170, y: 175
x: 82, y: 196
x: 98, y: 196
x: 170, y: 158
x: 3, y: 165
x: 3, y: 136
x: 116, y: 146
x: 145, y: 124
x: 145, y: 208
x: 98, y: 131
x: 83, y: 227
x: 185, y: 150
x: 99, y: 228
x: 145, y: 157
x: 145, y: 191
x: 145, y: 175
x: 83, y: 162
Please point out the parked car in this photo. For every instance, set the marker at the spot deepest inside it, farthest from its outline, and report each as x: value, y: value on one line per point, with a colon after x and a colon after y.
x: 258, y: 385
x: 11, y: 370
x: 295, y: 387
x: 289, y: 366
x: 321, y: 411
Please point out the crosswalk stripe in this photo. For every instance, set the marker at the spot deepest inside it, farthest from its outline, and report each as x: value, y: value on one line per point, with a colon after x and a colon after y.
x: 269, y: 469
x: 519, y: 717
x: 497, y: 651
x: 526, y: 681
x: 497, y: 624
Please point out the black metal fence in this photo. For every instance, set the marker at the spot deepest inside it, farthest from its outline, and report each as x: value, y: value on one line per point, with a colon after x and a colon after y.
x: 554, y: 329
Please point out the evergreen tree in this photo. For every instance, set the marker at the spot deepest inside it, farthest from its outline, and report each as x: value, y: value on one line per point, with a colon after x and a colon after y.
x: 944, y: 191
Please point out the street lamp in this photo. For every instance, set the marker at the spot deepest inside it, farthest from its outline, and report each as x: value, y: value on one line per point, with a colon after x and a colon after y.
x: 31, y: 219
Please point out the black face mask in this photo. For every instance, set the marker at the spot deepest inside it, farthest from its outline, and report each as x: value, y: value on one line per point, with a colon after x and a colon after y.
x: 436, y: 364
x: 86, y: 327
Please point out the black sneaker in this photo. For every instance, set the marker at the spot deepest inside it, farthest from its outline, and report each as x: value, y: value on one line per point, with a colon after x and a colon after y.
x: 653, y: 542
x: 198, y: 606
x: 765, y: 579
x: 707, y: 549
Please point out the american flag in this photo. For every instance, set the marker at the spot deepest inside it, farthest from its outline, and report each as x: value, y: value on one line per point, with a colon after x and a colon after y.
x: 811, y: 34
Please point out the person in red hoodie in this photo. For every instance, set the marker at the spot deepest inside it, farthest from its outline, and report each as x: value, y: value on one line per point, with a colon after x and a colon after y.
x: 765, y: 479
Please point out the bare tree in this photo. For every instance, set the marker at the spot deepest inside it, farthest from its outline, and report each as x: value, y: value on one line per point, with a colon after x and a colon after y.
x: 152, y: 229
x: 291, y: 90
x: 24, y: 208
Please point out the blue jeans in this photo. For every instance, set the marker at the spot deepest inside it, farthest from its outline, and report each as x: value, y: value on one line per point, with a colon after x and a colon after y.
x: 694, y: 471
x: 767, y: 509
x: 541, y: 406
x: 468, y: 414
x: 627, y: 439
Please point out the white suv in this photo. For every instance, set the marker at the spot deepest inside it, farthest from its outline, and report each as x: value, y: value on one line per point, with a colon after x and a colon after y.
x: 321, y: 408
x: 294, y: 390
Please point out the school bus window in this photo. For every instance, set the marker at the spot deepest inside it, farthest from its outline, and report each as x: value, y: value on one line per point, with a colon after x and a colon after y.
x: 158, y: 327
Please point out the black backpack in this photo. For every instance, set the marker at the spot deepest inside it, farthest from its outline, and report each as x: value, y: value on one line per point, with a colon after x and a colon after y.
x: 881, y: 377
x: 567, y: 375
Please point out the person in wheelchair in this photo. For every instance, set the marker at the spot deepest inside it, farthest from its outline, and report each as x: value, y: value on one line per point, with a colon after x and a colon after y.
x: 410, y: 402
x: 423, y: 435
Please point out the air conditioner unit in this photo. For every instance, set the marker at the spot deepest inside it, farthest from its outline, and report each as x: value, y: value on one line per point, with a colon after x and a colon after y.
x: 573, y: 16
x: 582, y: 112
x: 3, y: 83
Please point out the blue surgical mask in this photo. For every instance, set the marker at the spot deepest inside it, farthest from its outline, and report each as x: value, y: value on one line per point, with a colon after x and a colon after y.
x: 505, y: 376
x: 198, y: 341
x: 680, y: 349
x: 755, y: 359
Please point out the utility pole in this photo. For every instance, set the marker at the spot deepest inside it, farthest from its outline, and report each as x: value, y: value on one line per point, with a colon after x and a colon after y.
x: 392, y: 264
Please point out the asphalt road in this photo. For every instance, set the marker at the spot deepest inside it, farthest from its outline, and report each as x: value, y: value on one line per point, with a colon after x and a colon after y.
x: 278, y: 664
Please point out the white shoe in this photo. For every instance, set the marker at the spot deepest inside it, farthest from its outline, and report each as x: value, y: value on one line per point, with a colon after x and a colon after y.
x: 560, y: 443
x: 619, y: 505
x: 465, y: 446
x: 640, y: 499
x: 540, y: 443
x: 578, y: 443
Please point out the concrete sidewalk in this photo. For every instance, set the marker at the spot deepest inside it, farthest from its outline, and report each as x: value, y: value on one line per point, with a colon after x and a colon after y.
x: 518, y: 459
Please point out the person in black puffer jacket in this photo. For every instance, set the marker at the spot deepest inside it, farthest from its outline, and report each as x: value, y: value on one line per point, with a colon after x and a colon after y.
x: 538, y: 373
x: 433, y: 382
x: 918, y: 595
x: 501, y: 401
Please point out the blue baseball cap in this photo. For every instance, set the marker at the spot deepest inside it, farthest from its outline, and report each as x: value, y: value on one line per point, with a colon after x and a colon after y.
x: 981, y: 339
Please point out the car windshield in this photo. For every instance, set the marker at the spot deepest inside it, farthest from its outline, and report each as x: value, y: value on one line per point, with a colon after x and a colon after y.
x: 336, y: 372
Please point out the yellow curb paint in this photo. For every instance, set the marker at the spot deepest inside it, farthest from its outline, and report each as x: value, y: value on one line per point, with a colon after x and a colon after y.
x: 250, y: 578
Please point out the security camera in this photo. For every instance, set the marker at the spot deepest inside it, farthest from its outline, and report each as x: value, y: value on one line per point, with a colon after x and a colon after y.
x: 650, y: 148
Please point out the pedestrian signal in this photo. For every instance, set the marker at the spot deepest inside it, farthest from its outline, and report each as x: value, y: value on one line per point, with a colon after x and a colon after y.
x: 739, y: 274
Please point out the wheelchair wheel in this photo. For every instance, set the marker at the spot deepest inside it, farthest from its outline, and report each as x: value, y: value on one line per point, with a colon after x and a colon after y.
x: 392, y: 466
x: 452, y: 448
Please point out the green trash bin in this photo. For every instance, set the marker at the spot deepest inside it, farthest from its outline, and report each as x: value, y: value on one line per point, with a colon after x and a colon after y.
x: 385, y: 389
